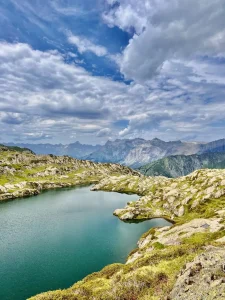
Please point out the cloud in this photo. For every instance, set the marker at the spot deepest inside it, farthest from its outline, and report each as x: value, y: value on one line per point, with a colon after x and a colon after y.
x: 67, y: 10
x: 31, y: 136
x: 166, y: 30
x: 12, y: 118
x: 105, y: 132
x: 129, y: 15
x: 51, y: 100
x: 40, y: 92
x: 85, y: 45
x: 181, y: 107
x: 175, y: 58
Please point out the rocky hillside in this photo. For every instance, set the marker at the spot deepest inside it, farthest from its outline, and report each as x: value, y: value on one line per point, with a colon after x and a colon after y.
x: 161, y: 196
x: 4, y: 148
x: 183, y: 261
x: 116, y: 151
x: 215, y: 146
x: 137, y: 152
x: 181, y: 165
x: 22, y: 173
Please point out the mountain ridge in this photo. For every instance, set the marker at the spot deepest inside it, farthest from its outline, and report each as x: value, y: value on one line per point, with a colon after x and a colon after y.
x: 76, y: 149
x: 130, y: 152
x: 182, y: 165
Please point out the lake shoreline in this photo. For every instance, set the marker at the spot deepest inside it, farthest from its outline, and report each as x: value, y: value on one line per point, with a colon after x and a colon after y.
x: 64, y: 222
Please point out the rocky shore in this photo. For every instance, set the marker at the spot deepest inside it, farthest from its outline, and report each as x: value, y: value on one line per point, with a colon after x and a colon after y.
x: 24, y: 174
x: 182, y: 261
x: 164, y: 197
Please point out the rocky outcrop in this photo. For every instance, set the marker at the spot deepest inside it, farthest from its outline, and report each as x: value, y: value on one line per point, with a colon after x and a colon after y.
x: 173, y: 263
x: 203, y: 278
x: 170, y: 198
x: 25, y: 174
x: 171, y: 236
x: 181, y: 261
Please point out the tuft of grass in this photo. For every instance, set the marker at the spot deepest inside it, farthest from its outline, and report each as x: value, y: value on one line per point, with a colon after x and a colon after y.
x: 158, y: 246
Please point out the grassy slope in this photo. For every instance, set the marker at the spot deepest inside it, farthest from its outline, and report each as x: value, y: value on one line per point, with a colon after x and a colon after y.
x: 151, y: 276
x: 181, y: 165
x: 23, y: 173
x: 14, y: 148
x: 152, y: 269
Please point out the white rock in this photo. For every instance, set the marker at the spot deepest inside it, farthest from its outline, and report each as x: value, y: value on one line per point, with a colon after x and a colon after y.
x: 222, y: 240
x: 181, y: 211
x: 127, y: 216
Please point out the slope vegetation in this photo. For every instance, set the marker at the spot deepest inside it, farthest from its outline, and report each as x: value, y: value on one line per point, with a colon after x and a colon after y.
x: 23, y: 173
x: 181, y: 165
x: 185, y: 261
x: 182, y: 261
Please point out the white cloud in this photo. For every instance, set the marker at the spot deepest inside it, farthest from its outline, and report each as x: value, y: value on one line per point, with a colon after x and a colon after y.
x: 105, y: 132
x: 85, y: 45
x: 40, y: 93
x: 167, y: 30
x: 36, y: 136
x: 128, y: 14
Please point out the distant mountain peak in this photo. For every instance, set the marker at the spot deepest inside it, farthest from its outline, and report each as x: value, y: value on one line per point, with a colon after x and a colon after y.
x: 157, y: 139
x: 131, y: 152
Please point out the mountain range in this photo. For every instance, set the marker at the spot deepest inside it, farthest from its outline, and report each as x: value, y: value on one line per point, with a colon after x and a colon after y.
x: 131, y: 152
x: 76, y: 150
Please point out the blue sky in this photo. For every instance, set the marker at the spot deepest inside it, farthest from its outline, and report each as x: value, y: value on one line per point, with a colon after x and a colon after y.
x: 97, y: 70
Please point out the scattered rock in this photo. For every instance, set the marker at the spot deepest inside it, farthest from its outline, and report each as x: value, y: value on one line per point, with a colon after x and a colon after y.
x: 203, y: 278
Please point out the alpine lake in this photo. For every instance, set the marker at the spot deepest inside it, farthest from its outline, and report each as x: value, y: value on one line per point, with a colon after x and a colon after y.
x: 52, y: 240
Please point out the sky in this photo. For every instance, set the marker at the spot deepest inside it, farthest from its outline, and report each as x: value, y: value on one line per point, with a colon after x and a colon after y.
x: 98, y: 70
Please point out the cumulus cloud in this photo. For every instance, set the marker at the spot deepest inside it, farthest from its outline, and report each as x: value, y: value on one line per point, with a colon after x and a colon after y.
x: 175, y: 57
x: 184, y: 103
x: 166, y: 30
x: 53, y: 96
x: 85, y: 45
x: 50, y: 100
x: 127, y: 14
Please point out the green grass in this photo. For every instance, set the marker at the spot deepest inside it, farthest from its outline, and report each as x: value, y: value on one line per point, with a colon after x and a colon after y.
x: 154, y: 272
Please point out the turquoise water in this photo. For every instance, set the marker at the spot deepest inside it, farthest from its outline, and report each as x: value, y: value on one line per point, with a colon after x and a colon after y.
x: 52, y: 240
